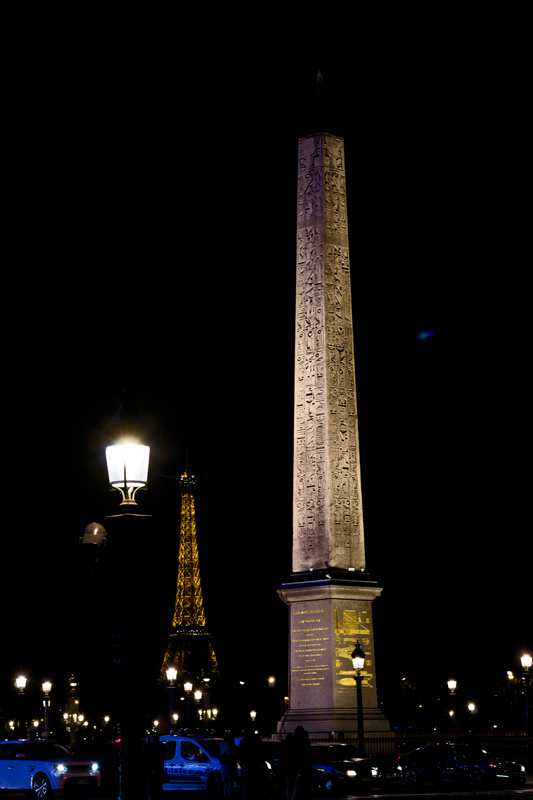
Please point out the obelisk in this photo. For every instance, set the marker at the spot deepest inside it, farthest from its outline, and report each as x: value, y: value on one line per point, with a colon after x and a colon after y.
x: 329, y: 593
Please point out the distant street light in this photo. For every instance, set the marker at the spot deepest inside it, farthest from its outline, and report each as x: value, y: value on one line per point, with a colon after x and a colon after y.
x: 47, y: 688
x: 527, y: 662
x: 20, y: 683
x: 358, y: 661
x: 187, y: 687
x: 452, y: 686
x: 172, y: 674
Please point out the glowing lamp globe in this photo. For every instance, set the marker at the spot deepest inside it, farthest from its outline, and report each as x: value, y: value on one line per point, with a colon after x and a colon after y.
x: 358, y: 658
x: 127, y: 466
x: 527, y: 661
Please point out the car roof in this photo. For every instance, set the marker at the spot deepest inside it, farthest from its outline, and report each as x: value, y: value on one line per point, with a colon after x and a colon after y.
x: 32, y: 741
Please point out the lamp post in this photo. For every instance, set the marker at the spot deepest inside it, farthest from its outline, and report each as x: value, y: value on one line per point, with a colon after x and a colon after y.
x: 187, y: 688
x: 20, y: 683
x: 172, y: 674
x: 47, y: 688
x: 452, y: 686
x: 527, y: 662
x: 358, y: 661
x: 198, y: 701
x: 127, y: 465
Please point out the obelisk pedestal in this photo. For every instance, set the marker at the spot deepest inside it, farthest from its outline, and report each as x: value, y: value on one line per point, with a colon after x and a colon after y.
x: 329, y: 593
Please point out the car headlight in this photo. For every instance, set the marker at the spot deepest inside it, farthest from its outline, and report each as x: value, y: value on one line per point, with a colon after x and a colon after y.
x: 94, y: 767
x: 60, y: 769
x: 351, y: 773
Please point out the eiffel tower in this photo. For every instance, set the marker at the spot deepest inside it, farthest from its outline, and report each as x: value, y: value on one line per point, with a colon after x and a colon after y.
x: 189, y: 647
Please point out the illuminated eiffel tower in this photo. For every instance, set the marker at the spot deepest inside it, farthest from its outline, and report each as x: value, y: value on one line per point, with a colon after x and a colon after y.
x: 189, y: 648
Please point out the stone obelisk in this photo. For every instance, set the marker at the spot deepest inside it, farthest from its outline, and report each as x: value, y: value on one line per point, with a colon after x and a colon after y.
x: 329, y: 593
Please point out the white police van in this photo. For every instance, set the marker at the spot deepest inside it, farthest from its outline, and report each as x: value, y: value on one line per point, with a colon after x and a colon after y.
x: 192, y: 764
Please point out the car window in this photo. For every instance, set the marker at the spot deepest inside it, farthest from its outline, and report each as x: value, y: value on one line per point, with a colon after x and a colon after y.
x: 3, y: 751
x: 426, y: 753
x: 191, y: 752
x: 170, y: 747
x: 17, y: 750
x: 331, y: 752
x: 212, y: 747
x: 473, y: 753
x: 47, y: 751
x: 446, y: 751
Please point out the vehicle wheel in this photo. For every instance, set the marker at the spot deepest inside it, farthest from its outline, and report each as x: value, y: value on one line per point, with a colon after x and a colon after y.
x: 41, y: 786
x: 329, y: 787
x: 474, y: 778
x: 411, y: 778
x: 214, y: 784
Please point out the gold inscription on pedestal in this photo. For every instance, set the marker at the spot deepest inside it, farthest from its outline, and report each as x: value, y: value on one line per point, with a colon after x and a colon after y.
x: 352, y: 625
x: 310, y: 638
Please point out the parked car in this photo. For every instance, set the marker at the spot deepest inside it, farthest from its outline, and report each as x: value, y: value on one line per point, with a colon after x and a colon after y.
x: 458, y: 763
x: 338, y: 767
x: 42, y: 767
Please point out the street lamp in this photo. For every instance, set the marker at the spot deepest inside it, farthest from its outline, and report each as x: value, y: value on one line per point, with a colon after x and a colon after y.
x: 127, y: 466
x: 452, y: 686
x: 20, y: 683
x: 187, y: 687
x: 198, y: 695
x: 47, y: 688
x: 172, y: 674
x: 358, y: 661
x: 527, y: 662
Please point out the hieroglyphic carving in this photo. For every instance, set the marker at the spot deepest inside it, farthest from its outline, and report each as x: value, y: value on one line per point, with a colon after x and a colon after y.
x: 328, y: 525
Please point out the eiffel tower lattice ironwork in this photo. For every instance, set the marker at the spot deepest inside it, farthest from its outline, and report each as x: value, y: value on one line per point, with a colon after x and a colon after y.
x: 190, y: 646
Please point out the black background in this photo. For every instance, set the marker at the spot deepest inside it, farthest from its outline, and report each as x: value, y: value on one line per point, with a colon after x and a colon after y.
x: 149, y: 287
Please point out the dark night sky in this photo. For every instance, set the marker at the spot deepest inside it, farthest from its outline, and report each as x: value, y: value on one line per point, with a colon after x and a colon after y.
x: 150, y: 257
